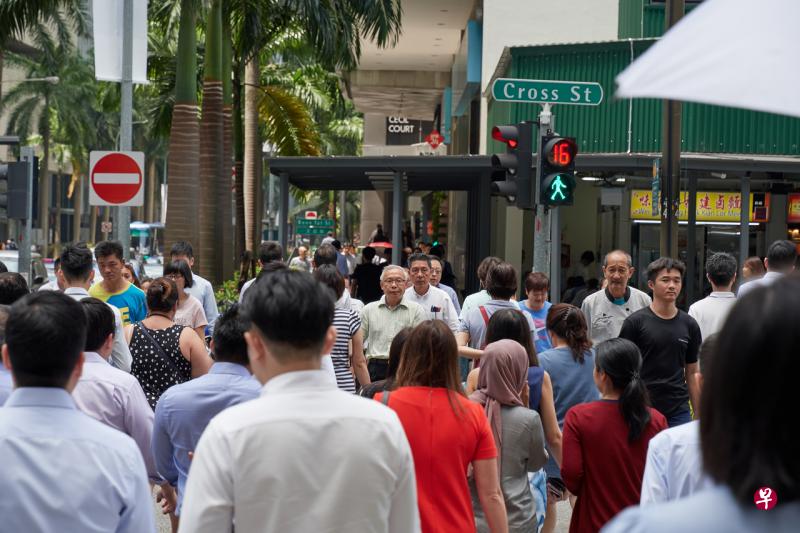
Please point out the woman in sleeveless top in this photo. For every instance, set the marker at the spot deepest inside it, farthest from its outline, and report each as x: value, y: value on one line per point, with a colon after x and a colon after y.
x: 512, y: 324
x: 164, y: 353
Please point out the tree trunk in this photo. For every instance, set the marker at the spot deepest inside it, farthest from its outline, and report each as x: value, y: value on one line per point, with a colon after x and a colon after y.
x: 238, y: 166
x: 211, y: 139
x: 225, y: 182
x: 57, y: 218
x: 77, y: 200
x: 184, y: 140
x: 252, y: 155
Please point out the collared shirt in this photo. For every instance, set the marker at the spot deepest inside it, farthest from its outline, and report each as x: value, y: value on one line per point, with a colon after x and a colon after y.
x: 246, y: 286
x: 475, y: 324
x: 120, y: 352
x: 116, y: 399
x: 298, y: 263
x: 674, y: 467
x: 64, y: 471
x: 6, y: 384
x: 202, y: 290
x: 452, y: 294
x: 474, y: 300
x: 380, y: 324
x: 184, y: 410
x: 49, y: 286
x: 304, y: 455
x: 711, y: 312
x: 768, y: 279
x: 348, y: 302
x: 604, y: 316
x: 436, y: 304
x: 130, y: 301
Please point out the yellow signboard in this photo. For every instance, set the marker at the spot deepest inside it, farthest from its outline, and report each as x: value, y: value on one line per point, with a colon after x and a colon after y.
x: 711, y: 206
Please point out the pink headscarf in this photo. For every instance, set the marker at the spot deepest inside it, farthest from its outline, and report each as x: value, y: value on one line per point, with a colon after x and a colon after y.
x: 501, y: 380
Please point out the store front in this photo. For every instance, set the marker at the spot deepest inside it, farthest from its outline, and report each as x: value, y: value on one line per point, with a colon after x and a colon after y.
x: 718, y: 229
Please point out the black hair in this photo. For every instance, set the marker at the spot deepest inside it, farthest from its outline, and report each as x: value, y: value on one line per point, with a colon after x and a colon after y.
x: 107, y: 249
x: 269, y: 268
x: 229, y: 343
x: 337, y: 244
x: 3, y: 317
x: 501, y: 281
x: 290, y: 309
x: 396, y: 351
x: 45, y: 335
x: 269, y: 252
x: 329, y: 276
x: 76, y: 263
x: 621, y: 361
x: 419, y: 257
x: 162, y: 295
x: 781, y: 255
x: 325, y: 255
x: 368, y: 253
x: 3, y: 267
x: 12, y: 287
x: 182, y: 248
x: 180, y: 267
x: 437, y: 250
x: 721, y: 268
x: 587, y: 256
x: 747, y: 438
x: 664, y: 263
x: 486, y: 264
x: 569, y: 323
x: 512, y: 324
x: 99, y: 323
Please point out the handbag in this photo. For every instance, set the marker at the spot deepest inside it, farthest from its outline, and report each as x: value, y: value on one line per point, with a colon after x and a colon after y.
x: 161, y: 353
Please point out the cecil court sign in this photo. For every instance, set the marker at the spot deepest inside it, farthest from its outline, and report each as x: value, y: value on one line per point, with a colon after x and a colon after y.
x: 406, y: 131
x: 547, y: 92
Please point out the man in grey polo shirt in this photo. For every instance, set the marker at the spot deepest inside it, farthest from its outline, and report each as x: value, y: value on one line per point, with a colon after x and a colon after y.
x: 381, y: 320
x: 501, y: 283
x: 607, y: 309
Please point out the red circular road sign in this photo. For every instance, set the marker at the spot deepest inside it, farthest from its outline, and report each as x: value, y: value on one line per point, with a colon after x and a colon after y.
x: 116, y: 178
x: 434, y: 138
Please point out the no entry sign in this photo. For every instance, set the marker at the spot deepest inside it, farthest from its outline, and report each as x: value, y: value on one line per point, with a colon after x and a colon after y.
x: 116, y: 178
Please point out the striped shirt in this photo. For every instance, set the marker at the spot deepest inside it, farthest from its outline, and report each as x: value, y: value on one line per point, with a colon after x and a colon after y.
x: 347, y: 324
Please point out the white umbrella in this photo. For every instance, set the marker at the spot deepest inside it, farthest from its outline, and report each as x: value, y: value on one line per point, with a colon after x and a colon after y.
x: 737, y: 53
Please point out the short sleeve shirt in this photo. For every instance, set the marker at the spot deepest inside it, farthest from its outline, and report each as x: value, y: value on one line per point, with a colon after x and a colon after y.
x: 540, y: 337
x: 667, y: 346
x: 191, y: 313
x: 130, y: 301
x: 475, y: 323
x: 446, y: 432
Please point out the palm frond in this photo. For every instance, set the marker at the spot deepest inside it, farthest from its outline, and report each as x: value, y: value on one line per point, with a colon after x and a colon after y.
x: 287, y: 123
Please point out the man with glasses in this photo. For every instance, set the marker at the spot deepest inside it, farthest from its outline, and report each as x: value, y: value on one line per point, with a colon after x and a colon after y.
x: 435, y: 302
x: 381, y: 320
x: 607, y: 309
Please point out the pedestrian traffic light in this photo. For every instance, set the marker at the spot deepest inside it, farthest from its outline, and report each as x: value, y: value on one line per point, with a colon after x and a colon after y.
x: 557, y: 170
x: 517, y: 163
x: 13, y: 190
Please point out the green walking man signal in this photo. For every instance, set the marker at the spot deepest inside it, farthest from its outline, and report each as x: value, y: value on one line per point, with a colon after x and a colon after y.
x: 557, y: 170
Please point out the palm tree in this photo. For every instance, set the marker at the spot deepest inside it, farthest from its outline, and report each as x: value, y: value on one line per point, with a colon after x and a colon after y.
x: 58, y: 109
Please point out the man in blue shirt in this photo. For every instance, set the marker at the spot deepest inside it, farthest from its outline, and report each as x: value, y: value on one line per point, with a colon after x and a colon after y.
x: 184, y: 410
x: 62, y: 470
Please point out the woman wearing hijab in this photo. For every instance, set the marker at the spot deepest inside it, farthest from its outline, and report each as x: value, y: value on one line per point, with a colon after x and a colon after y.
x: 517, y: 430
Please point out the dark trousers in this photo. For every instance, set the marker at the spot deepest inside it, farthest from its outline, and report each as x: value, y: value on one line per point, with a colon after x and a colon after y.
x: 378, y: 369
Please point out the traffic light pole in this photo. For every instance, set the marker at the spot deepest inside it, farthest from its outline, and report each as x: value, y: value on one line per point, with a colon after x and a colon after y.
x: 541, y: 252
x: 122, y: 220
x: 27, y: 155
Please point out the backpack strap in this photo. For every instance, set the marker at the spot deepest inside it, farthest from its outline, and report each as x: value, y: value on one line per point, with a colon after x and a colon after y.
x: 484, y: 314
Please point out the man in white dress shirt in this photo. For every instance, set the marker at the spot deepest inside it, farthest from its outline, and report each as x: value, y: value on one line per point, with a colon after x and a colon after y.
x: 711, y: 312
x: 305, y: 456
x: 674, y: 467
x: 435, y: 302
x: 781, y: 256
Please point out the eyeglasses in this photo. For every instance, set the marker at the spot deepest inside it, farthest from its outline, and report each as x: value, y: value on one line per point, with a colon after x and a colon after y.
x: 394, y: 281
x: 436, y: 271
x: 174, y: 277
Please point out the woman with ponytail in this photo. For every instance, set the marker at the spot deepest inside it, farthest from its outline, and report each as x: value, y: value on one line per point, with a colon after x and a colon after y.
x: 605, y: 442
x: 569, y: 364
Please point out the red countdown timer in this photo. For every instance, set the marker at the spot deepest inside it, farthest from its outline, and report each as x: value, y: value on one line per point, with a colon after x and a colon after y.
x: 561, y: 152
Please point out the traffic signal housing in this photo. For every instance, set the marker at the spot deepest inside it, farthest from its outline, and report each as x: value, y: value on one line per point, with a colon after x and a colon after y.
x: 557, y: 170
x: 13, y: 190
x: 516, y: 163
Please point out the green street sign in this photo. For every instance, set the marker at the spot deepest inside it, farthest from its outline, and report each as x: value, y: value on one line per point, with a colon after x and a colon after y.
x: 314, y: 223
x: 547, y: 92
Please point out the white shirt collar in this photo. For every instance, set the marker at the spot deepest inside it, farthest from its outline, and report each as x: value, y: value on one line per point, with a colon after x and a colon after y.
x: 722, y: 294
x: 298, y: 380
x: 78, y: 291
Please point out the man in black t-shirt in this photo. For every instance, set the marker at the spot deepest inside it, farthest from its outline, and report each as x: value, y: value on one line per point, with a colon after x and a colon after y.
x: 669, y: 340
x: 366, y: 279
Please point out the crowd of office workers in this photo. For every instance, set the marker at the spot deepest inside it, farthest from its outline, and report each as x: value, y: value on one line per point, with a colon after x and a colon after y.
x: 373, y: 399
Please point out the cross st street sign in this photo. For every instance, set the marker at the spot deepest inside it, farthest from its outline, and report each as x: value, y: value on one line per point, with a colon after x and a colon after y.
x: 547, y: 92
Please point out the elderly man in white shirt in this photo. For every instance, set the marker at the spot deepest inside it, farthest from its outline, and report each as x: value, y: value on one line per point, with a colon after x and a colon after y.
x: 711, y: 312
x: 364, y: 483
x: 435, y: 302
x: 674, y: 467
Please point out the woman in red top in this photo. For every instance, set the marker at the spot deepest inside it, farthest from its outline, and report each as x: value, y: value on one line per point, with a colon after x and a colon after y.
x: 605, y: 442
x: 447, y: 434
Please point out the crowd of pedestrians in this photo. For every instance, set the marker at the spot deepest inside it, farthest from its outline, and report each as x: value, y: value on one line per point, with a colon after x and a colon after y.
x: 369, y: 397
